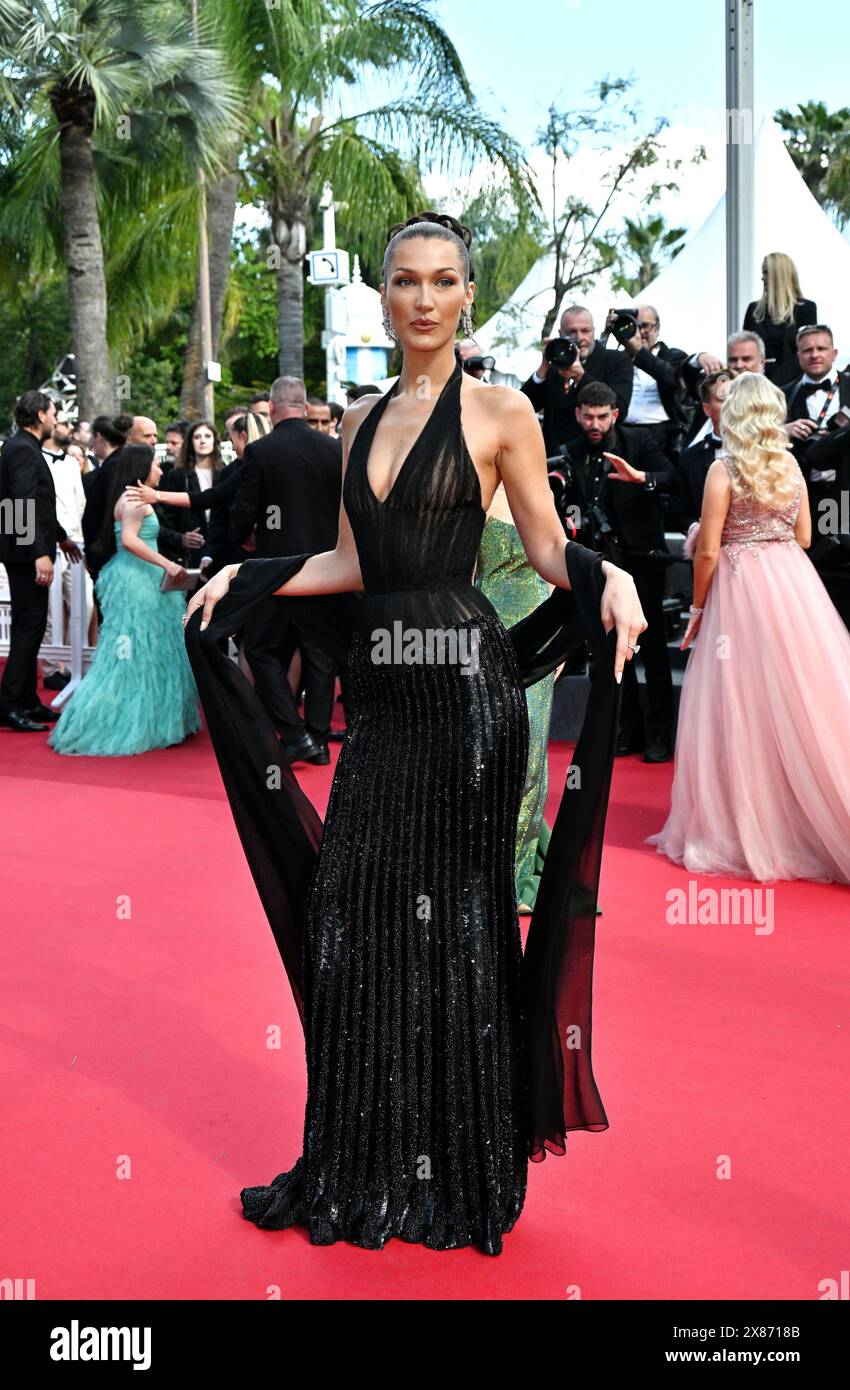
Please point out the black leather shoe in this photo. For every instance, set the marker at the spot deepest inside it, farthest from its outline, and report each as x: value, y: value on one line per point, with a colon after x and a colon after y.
x: 337, y: 735
x: 43, y: 713
x: 628, y: 743
x: 57, y: 681
x: 21, y: 723
x: 657, y: 751
x: 305, y: 750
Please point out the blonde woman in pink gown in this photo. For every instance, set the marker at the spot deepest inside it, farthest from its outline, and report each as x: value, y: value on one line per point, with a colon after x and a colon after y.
x: 762, y: 780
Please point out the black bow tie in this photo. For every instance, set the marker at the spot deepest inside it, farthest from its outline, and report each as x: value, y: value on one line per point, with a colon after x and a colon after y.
x: 811, y: 387
x: 714, y: 441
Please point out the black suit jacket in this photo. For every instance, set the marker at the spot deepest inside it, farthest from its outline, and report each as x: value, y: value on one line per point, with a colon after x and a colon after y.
x: 28, y: 500
x: 666, y: 367
x: 176, y: 521
x: 798, y: 409
x: 633, y: 509
x: 559, y: 406
x: 222, y: 544
x: 290, y: 487
x: 692, y: 469
x: 780, y: 339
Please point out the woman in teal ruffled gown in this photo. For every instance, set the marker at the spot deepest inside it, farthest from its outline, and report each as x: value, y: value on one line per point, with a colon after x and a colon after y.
x: 139, y: 692
x: 514, y: 588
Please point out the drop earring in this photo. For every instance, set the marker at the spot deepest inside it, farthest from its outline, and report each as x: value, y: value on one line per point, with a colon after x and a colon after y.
x: 388, y: 327
x: 467, y: 326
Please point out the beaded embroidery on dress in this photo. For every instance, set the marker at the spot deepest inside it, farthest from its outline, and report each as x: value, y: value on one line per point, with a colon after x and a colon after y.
x: 762, y: 785
x: 439, y: 1056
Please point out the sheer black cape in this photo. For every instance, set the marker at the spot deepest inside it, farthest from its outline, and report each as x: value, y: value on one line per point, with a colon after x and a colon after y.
x: 281, y: 831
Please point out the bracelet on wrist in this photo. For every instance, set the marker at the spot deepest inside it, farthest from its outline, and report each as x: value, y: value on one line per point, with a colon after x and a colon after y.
x: 694, y: 612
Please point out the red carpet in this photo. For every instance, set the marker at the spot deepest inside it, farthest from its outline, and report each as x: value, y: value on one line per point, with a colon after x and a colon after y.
x: 141, y: 985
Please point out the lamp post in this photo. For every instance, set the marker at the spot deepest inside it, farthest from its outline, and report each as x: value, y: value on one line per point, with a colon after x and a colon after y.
x: 211, y: 369
x: 740, y: 161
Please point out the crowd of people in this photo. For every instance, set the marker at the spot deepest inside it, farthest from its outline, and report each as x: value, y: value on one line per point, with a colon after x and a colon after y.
x: 631, y: 428
x: 457, y: 513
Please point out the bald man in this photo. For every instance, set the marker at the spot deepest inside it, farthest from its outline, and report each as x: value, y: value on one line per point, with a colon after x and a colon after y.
x: 144, y: 431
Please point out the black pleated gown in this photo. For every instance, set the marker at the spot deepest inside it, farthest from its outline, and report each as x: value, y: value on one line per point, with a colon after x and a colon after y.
x: 439, y: 1059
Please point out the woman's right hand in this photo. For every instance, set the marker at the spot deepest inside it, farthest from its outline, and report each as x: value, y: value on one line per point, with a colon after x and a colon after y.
x: 208, y: 596
x: 140, y: 494
x: 174, y: 570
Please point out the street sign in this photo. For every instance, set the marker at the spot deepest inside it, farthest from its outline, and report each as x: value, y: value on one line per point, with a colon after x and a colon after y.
x: 329, y: 267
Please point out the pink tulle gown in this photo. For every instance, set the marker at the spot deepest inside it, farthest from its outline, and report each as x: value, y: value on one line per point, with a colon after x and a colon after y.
x: 762, y: 781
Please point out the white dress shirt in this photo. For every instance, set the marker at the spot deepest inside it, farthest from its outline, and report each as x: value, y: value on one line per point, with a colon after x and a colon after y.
x: 645, y: 407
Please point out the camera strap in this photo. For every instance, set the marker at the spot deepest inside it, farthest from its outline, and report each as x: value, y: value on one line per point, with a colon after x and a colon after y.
x: 830, y: 396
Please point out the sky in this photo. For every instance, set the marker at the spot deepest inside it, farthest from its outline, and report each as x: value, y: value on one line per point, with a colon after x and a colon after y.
x: 522, y: 56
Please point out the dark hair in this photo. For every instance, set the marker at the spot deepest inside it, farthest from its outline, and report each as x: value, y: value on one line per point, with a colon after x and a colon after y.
x: 235, y: 410
x: 238, y: 423
x: 433, y: 224
x: 113, y: 429
x: 366, y: 389
x: 337, y: 411
x: 177, y: 427
x: 186, y: 458
x: 131, y: 464
x: 315, y: 400
x: 28, y: 406
x: 260, y: 396
x: 596, y: 393
x: 709, y: 382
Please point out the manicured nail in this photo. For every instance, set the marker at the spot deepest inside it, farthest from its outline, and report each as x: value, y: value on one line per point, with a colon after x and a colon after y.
x: 618, y: 677
x: 201, y: 628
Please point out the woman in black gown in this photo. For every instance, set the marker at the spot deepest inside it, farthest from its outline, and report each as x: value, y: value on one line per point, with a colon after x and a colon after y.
x: 439, y: 1059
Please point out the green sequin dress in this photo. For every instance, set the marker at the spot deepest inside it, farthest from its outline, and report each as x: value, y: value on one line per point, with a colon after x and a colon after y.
x: 514, y: 588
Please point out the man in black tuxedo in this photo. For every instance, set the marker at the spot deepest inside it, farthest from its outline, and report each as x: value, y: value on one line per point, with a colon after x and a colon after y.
x: 613, y: 484
x: 817, y: 400
x: 291, y: 483
x: 657, y: 405
x: 554, y: 390
x: 696, y: 460
x: 29, y: 532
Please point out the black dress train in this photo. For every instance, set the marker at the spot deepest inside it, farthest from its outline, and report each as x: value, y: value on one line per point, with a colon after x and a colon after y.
x: 439, y: 1058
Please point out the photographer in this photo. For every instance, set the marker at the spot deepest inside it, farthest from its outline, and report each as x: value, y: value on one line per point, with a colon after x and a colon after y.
x: 613, y: 484
x: 818, y: 401
x: 473, y: 361
x: 657, y: 407
x: 569, y: 363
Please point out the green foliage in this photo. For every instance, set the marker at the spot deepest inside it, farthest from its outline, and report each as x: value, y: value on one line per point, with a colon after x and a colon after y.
x: 819, y: 144
x: 503, y: 249
x: 36, y: 333
x: 645, y: 247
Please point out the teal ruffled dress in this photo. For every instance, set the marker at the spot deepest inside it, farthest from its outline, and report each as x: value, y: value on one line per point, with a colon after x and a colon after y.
x: 514, y: 588
x: 139, y: 692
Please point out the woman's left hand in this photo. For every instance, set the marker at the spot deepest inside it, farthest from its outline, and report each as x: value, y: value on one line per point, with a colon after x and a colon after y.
x: 621, y: 609
x: 691, y: 631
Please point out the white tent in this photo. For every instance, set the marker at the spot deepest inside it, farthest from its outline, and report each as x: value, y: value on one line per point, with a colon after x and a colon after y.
x: 690, y: 292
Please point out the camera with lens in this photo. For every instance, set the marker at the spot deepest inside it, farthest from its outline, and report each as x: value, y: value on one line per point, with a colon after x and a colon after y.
x: 479, y: 364
x: 561, y: 352
x: 623, y: 326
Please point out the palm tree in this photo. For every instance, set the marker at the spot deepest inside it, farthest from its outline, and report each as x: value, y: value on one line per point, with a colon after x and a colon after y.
x: 646, y: 247
x: 818, y: 141
x: 105, y: 90
x: 303, y: 58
